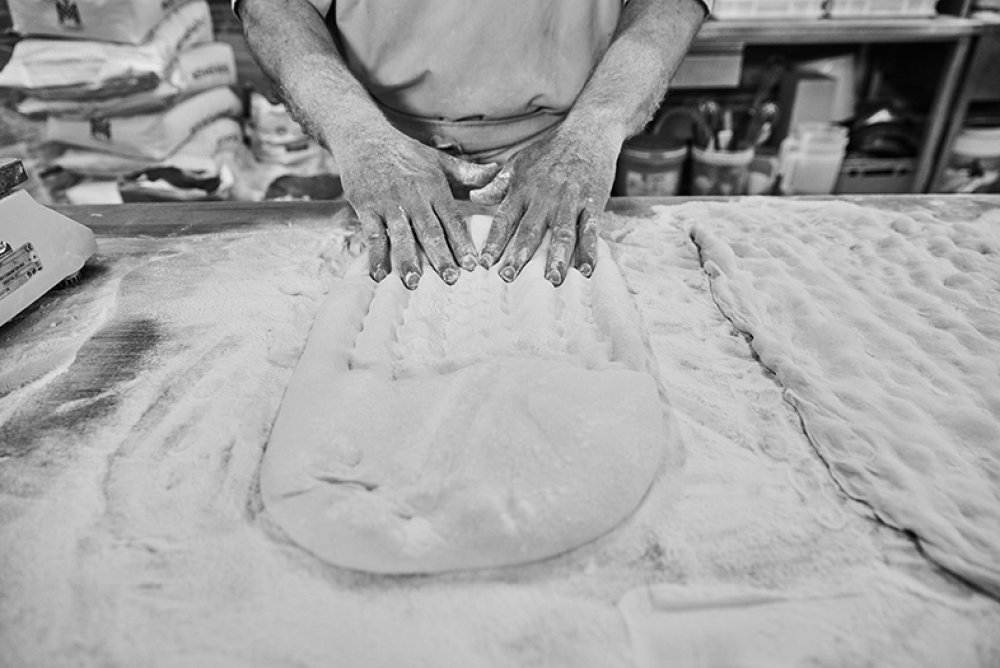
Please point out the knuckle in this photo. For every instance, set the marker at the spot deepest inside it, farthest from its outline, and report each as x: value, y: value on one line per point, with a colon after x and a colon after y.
x: 564, y: 234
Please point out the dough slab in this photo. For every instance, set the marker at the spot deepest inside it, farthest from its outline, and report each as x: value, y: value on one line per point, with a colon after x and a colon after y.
x: 462, y: 427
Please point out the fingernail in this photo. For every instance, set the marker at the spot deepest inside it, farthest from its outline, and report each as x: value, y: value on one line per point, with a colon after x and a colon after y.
x: 468, y: 262
x: 485, y: 260
x: 379, y: 275
x: 508, y: 273
x: 586, y: 269
x: 449, y: 275
x: 412, y: 279
x: 554, y: 277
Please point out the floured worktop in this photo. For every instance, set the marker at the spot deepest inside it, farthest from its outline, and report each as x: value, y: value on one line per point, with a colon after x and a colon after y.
x: 469, y: 426
x: 131, y: 532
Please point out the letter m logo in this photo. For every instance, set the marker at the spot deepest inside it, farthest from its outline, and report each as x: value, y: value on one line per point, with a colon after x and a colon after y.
x: 100, y: 128
x: 68, y: 13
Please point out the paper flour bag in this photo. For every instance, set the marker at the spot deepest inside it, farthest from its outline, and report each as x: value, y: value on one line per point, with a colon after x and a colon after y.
x: 208, y: 144
x: 153, y: 136
x: 71, y: 69
x: 199, y: 68
x: 127, y: 21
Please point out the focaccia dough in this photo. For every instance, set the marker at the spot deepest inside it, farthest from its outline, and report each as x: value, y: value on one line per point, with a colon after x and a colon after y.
x: 471, y: 426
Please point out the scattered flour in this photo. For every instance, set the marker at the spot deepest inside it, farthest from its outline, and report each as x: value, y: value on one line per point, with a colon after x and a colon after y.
x: 132, y: 535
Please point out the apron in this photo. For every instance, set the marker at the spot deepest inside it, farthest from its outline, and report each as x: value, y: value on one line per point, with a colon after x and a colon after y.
x: 424, y: 62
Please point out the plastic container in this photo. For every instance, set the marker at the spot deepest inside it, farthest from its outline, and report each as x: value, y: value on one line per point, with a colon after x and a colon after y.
x: 645, y: 170
x: 723, y: 173
x: 811, y: 157
x: 752, y: 9
x: 855, y: 8
x: 862, y: 176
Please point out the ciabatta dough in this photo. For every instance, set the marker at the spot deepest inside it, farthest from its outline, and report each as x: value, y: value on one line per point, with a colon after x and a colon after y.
x: 471, y: 426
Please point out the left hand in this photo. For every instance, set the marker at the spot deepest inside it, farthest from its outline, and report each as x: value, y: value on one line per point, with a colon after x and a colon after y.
x: 560, y: 183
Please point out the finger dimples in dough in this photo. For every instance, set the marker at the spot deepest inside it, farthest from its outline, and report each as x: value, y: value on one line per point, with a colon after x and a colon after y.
x: 471, y: 426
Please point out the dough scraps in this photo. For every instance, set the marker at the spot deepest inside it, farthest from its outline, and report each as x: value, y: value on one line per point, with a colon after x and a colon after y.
x: 462, y: 427
x: 884, y: 331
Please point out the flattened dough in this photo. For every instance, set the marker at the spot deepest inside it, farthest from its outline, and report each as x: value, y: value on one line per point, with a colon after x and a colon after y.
x: 885, y: 332
x: 462, y: 427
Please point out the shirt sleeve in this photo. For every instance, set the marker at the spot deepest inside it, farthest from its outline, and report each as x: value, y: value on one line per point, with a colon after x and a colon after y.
x: 322, y: 6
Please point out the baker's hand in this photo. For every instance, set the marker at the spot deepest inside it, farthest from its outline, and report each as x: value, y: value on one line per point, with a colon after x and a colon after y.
x: 402, y: 193
x: 561, y: 183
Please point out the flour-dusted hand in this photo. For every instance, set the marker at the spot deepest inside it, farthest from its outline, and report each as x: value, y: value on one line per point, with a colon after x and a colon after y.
x: 402, y: 193
x: 559, y: 184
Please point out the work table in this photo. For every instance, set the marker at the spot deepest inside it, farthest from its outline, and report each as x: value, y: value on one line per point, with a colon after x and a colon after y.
x: 170, y: 219
x: 136, y: 405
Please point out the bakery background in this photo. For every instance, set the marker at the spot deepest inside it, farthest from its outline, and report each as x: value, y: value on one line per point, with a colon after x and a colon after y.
x: 865, y: 96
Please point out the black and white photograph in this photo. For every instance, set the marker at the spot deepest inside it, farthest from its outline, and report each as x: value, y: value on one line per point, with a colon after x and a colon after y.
x: 499, y: 333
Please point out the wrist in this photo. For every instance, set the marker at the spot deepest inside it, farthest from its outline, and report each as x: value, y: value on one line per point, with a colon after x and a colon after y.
x: 604, y: 129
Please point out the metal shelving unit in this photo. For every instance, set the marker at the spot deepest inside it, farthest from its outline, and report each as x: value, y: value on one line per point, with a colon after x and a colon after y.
x: 958, y: 33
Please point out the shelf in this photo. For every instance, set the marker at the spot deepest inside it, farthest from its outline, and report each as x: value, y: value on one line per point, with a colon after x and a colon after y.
x: 836, y: 31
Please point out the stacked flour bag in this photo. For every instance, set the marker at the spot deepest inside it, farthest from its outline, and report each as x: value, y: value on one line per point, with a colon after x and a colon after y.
x: 140, y: 95
x: 283, y: 161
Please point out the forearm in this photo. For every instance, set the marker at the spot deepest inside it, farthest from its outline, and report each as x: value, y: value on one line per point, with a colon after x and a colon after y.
x: 293, y: 46
x: 629, y: 82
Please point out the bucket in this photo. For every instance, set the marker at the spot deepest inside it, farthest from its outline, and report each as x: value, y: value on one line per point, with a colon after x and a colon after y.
x: 647, y: 170
x: 720, y: 172
x: 811, y: 158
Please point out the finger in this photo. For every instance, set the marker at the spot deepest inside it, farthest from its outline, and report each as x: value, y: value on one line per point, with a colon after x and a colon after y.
x: 586, y: 245
x: 431, y: 237
x: 496, y: 190
x: 522, y: 247
x: 562, y: 244
x: 501, y: 229
x: 403, y: 248
x: 378, y: 244
x: 469, y: 174
x: 457, y: 232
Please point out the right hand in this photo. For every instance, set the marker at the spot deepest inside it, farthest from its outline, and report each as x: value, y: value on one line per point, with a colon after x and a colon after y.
x: 402, y: 192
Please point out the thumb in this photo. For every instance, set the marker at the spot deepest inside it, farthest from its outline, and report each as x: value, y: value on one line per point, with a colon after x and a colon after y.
x: 494, y: 191
x: 469, y: 174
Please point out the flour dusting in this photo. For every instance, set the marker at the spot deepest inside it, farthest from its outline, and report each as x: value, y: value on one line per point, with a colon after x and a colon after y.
x: 131, y: 532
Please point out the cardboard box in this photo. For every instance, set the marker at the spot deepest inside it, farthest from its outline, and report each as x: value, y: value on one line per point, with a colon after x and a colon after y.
x: 805, y: 96
x: 125, y: 21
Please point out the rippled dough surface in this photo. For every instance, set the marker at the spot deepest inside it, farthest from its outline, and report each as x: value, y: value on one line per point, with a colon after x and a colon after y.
x: 474, y: 426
